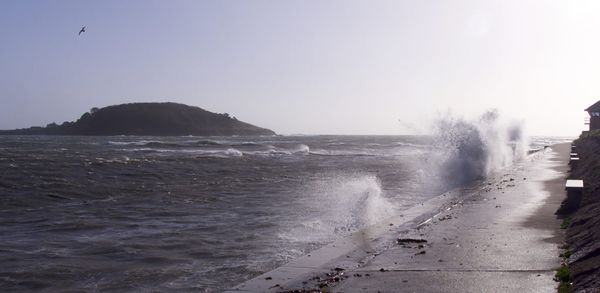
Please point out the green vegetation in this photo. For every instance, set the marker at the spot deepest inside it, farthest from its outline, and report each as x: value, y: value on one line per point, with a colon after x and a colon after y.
x: 565, y: 223
x: 564, y: 288
x: 566, y: 254
x: 591, y: 133
x: 563, y: 276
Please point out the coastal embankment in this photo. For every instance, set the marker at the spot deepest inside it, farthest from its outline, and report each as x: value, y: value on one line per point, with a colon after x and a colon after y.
x: 583, y: 223
x: 499, y: 234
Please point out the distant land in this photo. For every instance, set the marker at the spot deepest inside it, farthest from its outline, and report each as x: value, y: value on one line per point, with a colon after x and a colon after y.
x: 155, y: 119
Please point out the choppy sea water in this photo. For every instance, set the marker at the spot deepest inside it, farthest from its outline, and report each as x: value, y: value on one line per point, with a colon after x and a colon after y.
x: 192, y: 213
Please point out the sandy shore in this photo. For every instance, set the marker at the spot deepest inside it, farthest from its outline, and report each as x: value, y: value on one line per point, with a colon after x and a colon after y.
x: 500, y: 235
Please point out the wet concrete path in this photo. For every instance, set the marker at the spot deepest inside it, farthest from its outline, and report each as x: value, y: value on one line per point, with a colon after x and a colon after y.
x: 503, y: 238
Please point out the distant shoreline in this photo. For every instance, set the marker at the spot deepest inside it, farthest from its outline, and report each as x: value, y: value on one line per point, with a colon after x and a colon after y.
x: 148, y: 119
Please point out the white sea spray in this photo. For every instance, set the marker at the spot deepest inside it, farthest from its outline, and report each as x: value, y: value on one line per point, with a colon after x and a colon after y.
x: 468, y: 150
x: 344, y: 203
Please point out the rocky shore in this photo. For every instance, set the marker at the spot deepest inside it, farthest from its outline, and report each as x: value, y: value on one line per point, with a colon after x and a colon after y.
x: 582, y: 221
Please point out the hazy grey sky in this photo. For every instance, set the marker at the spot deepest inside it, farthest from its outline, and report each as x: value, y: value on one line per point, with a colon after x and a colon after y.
x: 313, y: 67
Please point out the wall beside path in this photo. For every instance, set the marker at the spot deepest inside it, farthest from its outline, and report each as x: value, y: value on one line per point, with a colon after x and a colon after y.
x: 583, y: 232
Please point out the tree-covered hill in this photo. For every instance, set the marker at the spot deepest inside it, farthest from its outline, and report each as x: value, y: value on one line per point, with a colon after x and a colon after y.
x: 161, y: 119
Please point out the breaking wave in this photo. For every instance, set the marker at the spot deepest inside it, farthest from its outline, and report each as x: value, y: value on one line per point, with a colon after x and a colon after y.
x: 151, y: 143
x: 224, y: 152
x: 471, y: 150
x: 339, y: 153
x: 344, y: 204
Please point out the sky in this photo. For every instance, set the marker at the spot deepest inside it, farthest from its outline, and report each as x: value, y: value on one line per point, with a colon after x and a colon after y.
x: 305, y: 67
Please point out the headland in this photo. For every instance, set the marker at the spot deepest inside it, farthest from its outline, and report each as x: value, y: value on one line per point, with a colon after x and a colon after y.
x: 148, y: 119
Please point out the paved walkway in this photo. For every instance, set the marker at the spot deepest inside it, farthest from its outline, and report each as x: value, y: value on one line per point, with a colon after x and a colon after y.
x: 502, y: 239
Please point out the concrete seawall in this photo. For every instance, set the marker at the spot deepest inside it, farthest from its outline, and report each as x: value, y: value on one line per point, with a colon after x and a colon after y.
x: 583, y: 233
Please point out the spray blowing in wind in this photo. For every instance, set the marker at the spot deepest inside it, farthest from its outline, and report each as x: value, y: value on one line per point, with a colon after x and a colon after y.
x: 471, y: 150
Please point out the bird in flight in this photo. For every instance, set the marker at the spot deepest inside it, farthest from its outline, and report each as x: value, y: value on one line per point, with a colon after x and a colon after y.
x: 82, y: 30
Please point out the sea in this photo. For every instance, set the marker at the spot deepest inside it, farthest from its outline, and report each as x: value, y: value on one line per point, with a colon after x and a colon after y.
x: 195, y: 214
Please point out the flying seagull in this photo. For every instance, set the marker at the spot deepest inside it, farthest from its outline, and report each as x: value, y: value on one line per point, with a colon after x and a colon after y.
x: 82, y: 30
